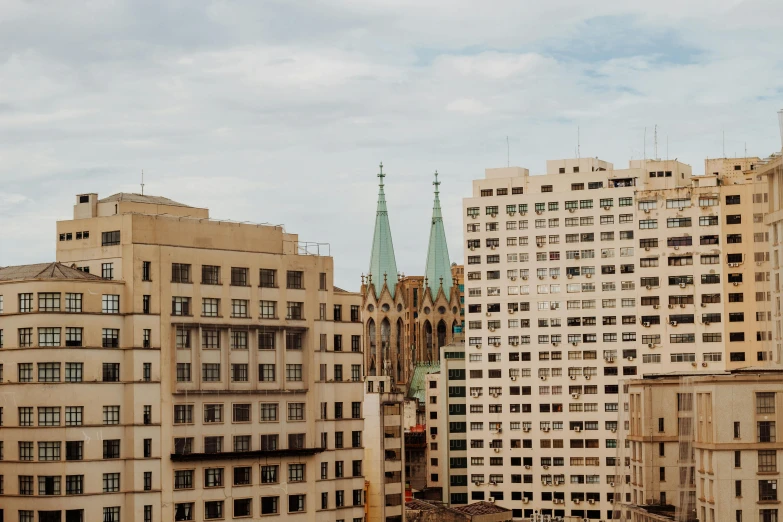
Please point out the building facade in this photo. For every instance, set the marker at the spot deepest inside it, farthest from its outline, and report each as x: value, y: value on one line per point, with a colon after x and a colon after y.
x: 172, y: 367
x: 585, y: 276
x: 407, y: 319
x: 384, y: 450
x: 703, y: 447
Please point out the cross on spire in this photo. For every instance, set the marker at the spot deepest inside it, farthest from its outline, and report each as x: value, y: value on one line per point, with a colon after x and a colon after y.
x: 436, y: 183
x: 381, y: 174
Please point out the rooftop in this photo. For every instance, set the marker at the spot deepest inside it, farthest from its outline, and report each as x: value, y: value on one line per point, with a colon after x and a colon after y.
x: 420, y: 505
x: 44, y: 271
x: 141, y: 198
x: 481, y: 508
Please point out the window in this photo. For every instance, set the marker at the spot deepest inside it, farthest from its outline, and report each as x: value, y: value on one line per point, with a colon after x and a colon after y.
x: 765, y: 402
x: 111, y: 449
x: 213, y: 509
x: 110, y: 304
x: 268, y: 278
x: 111, y: 372
x: 296, y: 503
x: 296, y: 473
x: 107, y: 270
x: 210, y: 372
x: 266, y: 372
x: 239, y: 309
x: 74, y: 485
x: 210, y: 275
x: 183, y: 511
x: 48, y: 372
x: 767, y: 460
x: 293, y: 372
x: 146, y: 271
x: 239, y: 276
x: 111, y: 482
x: 110, y: 238
x: 180, y: 273
x: 73, y: 303
x: 734, y: 219
x: 296, y: 411
x: 213, y: 477
x: 48, y: 451
x: 210, y: 307
x: 766, y: 431
x: 270, y: 505
x: 243, y: 507
x: 295, y: 279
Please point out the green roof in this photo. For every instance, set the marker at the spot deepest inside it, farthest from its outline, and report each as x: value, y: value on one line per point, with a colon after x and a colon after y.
x: 382, y: 261
x: 417, y: 387
x: 438, y: 266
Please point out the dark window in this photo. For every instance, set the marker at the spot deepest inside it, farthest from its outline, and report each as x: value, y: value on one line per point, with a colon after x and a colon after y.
x: 110, y: 238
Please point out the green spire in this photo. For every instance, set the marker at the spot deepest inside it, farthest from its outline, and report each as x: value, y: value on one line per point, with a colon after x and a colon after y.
x: 438, y: 270
x: 383, y: 265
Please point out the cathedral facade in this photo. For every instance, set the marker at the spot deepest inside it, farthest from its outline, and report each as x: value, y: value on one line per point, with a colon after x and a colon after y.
x: 407, y: 319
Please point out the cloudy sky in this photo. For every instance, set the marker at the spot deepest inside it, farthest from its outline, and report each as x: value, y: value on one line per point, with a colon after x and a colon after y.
x: 279, y: 111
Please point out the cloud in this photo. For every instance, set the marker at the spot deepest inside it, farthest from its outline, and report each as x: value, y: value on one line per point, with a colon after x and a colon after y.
x: 280, y: 111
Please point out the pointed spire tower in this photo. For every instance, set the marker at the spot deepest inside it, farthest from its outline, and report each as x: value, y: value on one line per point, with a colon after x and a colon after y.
x: 383, y: 265
x: 438, y: 270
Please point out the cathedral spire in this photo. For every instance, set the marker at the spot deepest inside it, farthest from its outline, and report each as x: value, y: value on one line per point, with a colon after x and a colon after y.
x: 438, y: 264
x: 382, y: 261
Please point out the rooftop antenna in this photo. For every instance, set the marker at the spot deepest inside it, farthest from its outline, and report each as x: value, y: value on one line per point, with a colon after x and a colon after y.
x: 578, y: 143
x: 655, y: 150
x: 142, y: 182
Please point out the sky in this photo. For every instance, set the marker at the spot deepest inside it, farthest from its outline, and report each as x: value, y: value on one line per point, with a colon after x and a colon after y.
x: 280, y: 111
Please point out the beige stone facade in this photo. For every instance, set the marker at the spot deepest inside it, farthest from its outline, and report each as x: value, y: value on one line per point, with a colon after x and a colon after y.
x: 212, y: 371
x: 585, y: 276
x: 703, y: 447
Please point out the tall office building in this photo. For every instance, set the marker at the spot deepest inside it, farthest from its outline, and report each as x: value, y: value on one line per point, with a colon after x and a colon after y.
x: 587, y: 275
x: 172, y: 367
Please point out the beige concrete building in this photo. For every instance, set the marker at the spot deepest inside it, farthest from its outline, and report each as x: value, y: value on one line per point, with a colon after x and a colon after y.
x: 702, y: 447
x: 772, y: 170
x: 172, y: 367
x: 587, y: 275
x: 384, y: 450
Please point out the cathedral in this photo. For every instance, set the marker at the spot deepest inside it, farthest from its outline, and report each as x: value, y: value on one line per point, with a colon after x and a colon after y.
x: 407, y: 319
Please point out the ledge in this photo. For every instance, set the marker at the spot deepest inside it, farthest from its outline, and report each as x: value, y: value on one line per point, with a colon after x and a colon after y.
x: 236, y: 455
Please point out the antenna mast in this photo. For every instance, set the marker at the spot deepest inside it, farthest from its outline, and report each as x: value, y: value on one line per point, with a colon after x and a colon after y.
x: 655, y: 150
x: 578, y: 143
x: 142, y: 182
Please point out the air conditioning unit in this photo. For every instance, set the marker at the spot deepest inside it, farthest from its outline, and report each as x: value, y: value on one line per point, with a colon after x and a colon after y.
x: 588, y: 276
x: 650, y: 345
x: 572, y: 210
x: 648, y: 287
x: 476, y: 394
x: 675, y: 247
x: 704, y: 364
x: 513, y: 278
x: 494, y: 395
x: 558, y: 501
x: 736, y: 283
x: 574, y: 395
x: 494, y: 215
x: 575, y: 343
x: 539, y: 245
x: 434, y: 435
x: 554, y: 277
x: 489, y: 314
x: 555, y: 343
x: 607, y: 208
x: 576, y: 255
x: 673, y: 323
x: 694, y: 364
x: 704, y: 305
x: 491, y: 328
x: 591, y: 501
x: 572, y: 377
x: 577, y: 429
x: 671, y: 306
x: 545, y: 430
x: 472, y: 248
x: 543, y: 377
x: 527, y: 466
x: 576, y: 501
x: 511, y: 212
x: 611, y: 484
x: 655, y: 307
x: 646, y: 324
x: 512, y: 311
x: 524, y: 213
x: 539, y: 212
x: 614, y: 430
x: 545, y: 467
x: 682, y: 305
x: 515, y: 343
x: 497, y: 450
x: 496, y: 345
x: 646, y: 249
x: 513, y: 377
x: 587, y: 377
x: 478, y: 346
x: 477, y: 482
x: 683, y: 285
x: 733, y: 265
x: 474, y: 216
x: 493, y: 247
x: 525, y: 500
x: 569, y: 276
x: 647, y: 211
x: 706, y: 323
x: 540, y: 278
x: 609, y: 359
x: 630, y: 359
x: 524, y: 278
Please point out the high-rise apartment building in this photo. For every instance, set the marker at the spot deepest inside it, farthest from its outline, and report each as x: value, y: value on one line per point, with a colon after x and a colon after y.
x: 172, y: 367
x: 702, y: 447
x: 772, y: 170
x: 585, y: 276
